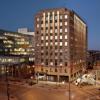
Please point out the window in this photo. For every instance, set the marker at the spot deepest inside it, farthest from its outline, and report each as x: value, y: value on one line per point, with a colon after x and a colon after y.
x: 46, y: 37
x: 56, y: 17
x: 51, y: 31
x: 55, y: 24
x: 66, y: 43
x: 61, y: 64
x: 37, y: 25
x: 56, y: 43
x: 46, y: 24
x: 60, y: 23
x: 65, y: 23
x: 60, y: 30
x: 60, y: 16
x: 51, y: 37
x: 57, y: 12
x: 37, y: 19
x: 65, y: 36
x: 60, y: 43
x: 42, y: 38
x: 60, y: 36
x: 55, y: 30
x: 66, y: 30
x: 46, y: 31
x: 66, y: 16
x: 51, y: 63
x: 47, y: 44
x: 50, y: 21
x: 56, y: 37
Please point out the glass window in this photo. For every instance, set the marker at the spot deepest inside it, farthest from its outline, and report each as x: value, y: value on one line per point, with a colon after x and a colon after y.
x: 60, y: 23
x: 46, y: 37
x: 51, y: 37
x: 46, y: 24
x: 65, y: 36
x: 51, y: 43
x: 60, y: 16
x: 66, y: 30
x: 61, y: 64
x: 47, y: 44
x: 56, y: 17
x: 56, y: 43
x: 42, y: 38
x: 56, y: 37
x: 51, y: 63
x: 65, y: 23
x: 37, y: 25
x: 60, y: 43
x: 37, y: 19
x: 60, y: 36
x: 51, y: 31
x: 66, y: 43
x: 55, y: 24
x: 66, y: 16
x: 60, y: 30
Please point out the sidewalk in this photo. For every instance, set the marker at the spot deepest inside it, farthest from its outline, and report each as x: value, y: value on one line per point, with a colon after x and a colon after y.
x: 4, y: 97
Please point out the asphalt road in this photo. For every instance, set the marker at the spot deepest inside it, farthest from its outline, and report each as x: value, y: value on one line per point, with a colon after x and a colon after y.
x: 22, y: 91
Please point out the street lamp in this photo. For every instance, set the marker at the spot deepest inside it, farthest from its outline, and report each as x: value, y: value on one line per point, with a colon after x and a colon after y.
x: 7, y: 84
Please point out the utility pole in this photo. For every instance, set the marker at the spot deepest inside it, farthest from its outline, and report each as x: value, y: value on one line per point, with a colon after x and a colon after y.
x: 69, y: 88
x: 7, y: 84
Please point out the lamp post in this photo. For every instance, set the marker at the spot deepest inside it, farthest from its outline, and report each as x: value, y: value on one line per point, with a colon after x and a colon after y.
x: 7, y: 84
x: 69, y: 88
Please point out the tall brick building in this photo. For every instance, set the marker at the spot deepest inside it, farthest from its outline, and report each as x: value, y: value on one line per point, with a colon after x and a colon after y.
x: 61, y: 44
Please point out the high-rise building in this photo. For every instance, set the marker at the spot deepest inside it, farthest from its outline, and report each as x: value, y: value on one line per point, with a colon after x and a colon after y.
x: 60, y: 44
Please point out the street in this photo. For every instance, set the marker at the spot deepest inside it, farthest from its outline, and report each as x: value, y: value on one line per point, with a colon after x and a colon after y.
x: 22, y: 91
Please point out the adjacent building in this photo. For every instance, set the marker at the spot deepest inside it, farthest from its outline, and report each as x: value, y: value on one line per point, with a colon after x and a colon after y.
x: 60, y: 44
x: 93, y: 59
x: 15, y: 49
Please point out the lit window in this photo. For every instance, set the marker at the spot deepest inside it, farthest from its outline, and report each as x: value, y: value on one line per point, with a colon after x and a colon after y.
x: 60, y: 30
x: 46, y: 31
x: 60, y: 43
x: 60, y: 23
x: 65, y: 36
x: 65, y: 23
x: 46, y: 37
x: 53, y: 12
x: 46, y: 18
x: 56, y: 17
x: 51, y: 63
x: 61, y: 37
x: 55, y: 30
x: 51, y: 37
x: 66, y: 30
x: 60, y: 16
x: 37, y: 19
x: 51, y: 43
x: 61, y: 64
x: 66, y: 43
x: 57, y: 12
x: 55, y: 37
x: 51, y: 31
x: 56, y: 43
x: 46, y: 24
x: 37, y: 25
x: 55, y: 24
x: 42, y: 38
x: 66, y: 16
x: 46, y: 43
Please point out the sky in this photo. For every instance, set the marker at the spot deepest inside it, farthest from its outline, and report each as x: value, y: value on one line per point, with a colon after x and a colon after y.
x: 15, y: 14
